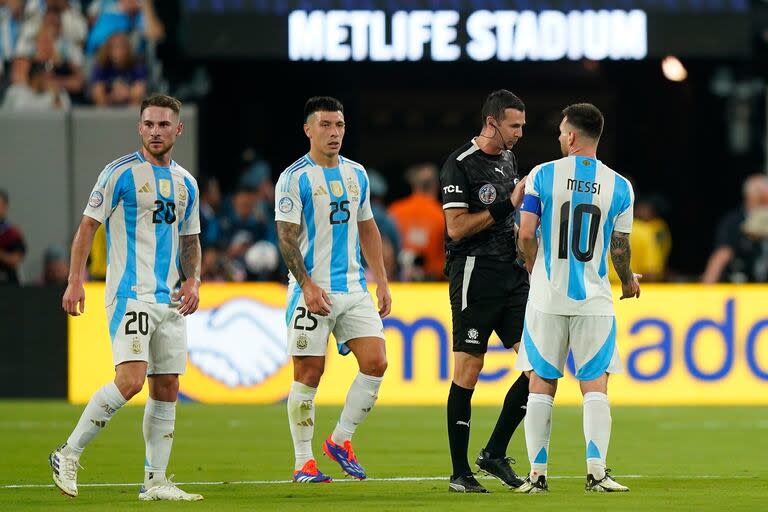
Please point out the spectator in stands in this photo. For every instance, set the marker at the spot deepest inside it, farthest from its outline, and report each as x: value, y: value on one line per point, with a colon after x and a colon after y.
x: 11, y: 18
x: 651, y: 241
x: 119, y: 77
x: 741, y: 243
x: 390, y: 238
x: 74, y: 26
x: 134, y: 17
x: 50, y: 47
x: 12, y: 246
x: 420, y: 221
x: 214, y: 258
x: 41, y: 93
x: 55, y: 266
x: 242, y: 226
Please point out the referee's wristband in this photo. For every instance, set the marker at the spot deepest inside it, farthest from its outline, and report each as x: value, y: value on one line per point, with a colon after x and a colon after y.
x: 501, y: 210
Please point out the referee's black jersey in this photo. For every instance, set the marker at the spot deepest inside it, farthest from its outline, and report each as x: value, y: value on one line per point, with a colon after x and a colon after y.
x: 474, y: 180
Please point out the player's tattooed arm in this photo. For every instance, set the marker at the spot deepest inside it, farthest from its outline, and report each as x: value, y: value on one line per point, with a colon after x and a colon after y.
x: 288, y: 240
x: 190, y: 256
x: 621, y: 254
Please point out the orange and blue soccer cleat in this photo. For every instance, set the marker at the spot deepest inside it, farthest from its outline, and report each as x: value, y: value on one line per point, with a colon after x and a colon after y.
x: 345, y: 457
x: 309, y: 474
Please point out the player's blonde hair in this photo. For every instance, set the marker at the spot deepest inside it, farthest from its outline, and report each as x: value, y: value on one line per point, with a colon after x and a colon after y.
x: 161, y: 100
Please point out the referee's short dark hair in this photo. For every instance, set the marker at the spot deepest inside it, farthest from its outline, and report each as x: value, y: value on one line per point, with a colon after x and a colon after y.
x: 586, y: 118
x: 321, y: 104
x: 498, y: 101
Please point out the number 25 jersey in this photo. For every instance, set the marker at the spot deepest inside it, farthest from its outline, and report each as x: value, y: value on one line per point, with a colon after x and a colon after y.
x: 327, y: 203
x: 580, y: 202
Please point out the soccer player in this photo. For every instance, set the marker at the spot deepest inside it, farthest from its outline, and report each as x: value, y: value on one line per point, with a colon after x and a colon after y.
x: 488, y: 289
x: 583, y: 207
x: 149, y: 205
x: 324, y: 219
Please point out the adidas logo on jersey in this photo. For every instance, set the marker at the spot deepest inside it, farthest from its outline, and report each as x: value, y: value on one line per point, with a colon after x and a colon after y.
x: 147, y: 188
x: 306, y: 423
x: 320, y: 191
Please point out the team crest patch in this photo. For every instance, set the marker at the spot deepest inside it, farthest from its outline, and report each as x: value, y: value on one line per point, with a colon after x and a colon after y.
x: 285, y: 205
x: 302, y: 341
x: 136, y: 346
x: 181, y: 192
x: 487, y: 193
x: 352, y: 187
x: 337, y: 188
x: 96, y: 199
x: 165, y: 188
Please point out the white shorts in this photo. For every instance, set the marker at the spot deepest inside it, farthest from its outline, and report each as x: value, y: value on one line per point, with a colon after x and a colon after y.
x: 143, y: 331
x: 352, y: 316
x: 547, y: 339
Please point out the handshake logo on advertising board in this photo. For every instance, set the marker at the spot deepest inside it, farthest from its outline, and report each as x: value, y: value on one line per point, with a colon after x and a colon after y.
x: 239, y: 343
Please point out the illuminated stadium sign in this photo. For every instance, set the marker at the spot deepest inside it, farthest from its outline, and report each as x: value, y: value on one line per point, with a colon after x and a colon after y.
x: 469, y: 30
x: 500, y: 35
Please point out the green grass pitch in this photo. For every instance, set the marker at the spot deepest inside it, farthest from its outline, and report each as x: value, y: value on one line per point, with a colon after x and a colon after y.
x: 684, y: 458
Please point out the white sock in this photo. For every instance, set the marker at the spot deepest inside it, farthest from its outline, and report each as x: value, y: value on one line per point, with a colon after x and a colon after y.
x: 538, y: 426
x: 158, y: 426
x: 102, y: 405
x: 360, y: 399
x: 597, y: 432
x: 301, y: 417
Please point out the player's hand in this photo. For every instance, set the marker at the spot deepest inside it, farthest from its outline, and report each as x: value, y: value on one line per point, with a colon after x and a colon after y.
x: 385, y: 300
x: 518, y: 193
x: 188, y: 296
x: 316, y: 299
x: 74, y: 296
x: 631, y: 289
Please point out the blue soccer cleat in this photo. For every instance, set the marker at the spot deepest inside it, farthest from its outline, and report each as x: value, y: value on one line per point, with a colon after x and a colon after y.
x: 345, y: 457
x: 309, y: 474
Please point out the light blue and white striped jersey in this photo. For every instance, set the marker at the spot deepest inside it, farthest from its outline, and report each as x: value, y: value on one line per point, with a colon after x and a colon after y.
x: 580, y: 202
x: 327, y: 203
x: 144, y: 208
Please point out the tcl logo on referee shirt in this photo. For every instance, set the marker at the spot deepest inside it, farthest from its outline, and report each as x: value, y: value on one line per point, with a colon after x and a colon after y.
x: 452, y: 188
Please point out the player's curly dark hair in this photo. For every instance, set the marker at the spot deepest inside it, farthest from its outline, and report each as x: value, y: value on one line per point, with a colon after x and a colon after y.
x: 586, y: 118
x: 161, y: 100
x: 498, y: 101
x: 321, y: 104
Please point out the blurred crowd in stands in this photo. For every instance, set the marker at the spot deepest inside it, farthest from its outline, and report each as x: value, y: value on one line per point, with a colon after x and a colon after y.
x: 239, y: 237
x: 56, y: 53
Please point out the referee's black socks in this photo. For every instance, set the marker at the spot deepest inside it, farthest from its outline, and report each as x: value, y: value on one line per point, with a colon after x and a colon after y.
x: 459, y: 414
x: 511, y: 415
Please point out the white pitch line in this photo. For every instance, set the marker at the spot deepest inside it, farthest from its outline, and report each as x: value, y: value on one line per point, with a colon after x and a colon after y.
x: 391, y: 479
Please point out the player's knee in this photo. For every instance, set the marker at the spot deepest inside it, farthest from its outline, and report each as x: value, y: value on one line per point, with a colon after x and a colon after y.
x: 375, y: 367
x: 309, y: 376
x: 130, y: 386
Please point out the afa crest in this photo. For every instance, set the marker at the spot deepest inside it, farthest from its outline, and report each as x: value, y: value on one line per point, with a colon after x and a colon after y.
x: 164, y: 186
x: 337, y: 189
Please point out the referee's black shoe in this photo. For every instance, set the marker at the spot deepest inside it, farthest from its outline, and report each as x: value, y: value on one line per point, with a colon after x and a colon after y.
x: 499, y: 468
x: 465, y: 483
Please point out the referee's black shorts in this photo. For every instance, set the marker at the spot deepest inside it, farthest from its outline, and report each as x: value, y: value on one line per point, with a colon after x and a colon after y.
x: 486, y: 296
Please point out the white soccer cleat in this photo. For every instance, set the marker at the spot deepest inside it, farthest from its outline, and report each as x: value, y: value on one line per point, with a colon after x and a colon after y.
x: 167, y: 492
x: 64, y: 471
x: 605, y: 484
x: 540, y: 486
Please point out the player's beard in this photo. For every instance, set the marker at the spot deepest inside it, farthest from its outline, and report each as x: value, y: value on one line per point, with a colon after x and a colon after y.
x: 166, y: 147
x: 564, y: 150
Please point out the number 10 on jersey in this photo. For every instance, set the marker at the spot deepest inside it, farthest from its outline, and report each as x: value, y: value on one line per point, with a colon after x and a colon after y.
x: 576, y: 232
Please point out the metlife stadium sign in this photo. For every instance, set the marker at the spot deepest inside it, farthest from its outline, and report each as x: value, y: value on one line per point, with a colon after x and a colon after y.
x: 501, y: 35
x: 464, y: 30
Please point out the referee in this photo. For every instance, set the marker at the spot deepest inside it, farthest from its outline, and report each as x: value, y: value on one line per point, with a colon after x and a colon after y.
x: 488, y: 290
